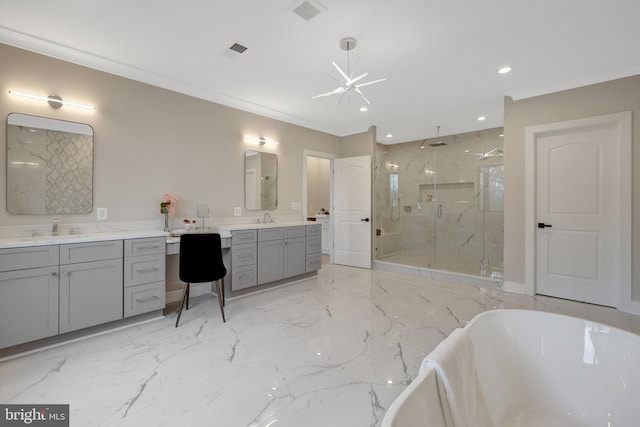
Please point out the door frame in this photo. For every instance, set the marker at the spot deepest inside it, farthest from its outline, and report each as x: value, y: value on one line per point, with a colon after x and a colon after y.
x: 622, y: 122
x: 310, y: 153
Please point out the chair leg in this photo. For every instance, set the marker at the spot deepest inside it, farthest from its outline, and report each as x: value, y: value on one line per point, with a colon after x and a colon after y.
x: 220, y: 299
x: 223, y: 302
x: 185, y: 296
x: 188, y: 289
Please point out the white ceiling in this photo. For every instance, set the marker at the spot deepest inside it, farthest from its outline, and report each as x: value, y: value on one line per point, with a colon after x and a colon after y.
x: 440, y: 58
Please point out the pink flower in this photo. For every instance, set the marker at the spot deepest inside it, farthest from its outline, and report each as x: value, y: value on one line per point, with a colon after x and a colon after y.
x: 167, y: 204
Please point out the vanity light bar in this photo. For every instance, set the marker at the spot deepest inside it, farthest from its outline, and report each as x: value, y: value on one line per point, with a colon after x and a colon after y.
x: 260, y: 140
x: 52, y: 100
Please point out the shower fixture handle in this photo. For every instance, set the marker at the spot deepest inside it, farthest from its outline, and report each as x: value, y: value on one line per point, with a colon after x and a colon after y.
x: 543, y: 225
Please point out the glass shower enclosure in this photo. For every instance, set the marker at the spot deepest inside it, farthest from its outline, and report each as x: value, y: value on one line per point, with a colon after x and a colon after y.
x: 439, y: 203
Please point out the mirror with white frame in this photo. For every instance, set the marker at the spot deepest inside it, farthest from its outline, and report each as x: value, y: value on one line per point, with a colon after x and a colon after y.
x: 49, y: 166
x: 260, y: 181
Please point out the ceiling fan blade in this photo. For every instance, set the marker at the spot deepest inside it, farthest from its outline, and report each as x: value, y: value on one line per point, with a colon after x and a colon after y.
x: 370, y: 83
x: 350, y: 82
x: 333, y: 92
x: 342, y: 73
x: 359, y: 92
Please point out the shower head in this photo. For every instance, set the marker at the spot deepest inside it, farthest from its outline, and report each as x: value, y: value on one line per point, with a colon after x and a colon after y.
x: 437, y: 144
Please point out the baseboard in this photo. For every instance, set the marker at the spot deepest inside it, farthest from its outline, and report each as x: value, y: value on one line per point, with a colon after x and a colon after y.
x: 516, y: 288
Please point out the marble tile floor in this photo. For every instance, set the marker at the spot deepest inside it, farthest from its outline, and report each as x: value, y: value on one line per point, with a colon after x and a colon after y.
x: 329, y: 351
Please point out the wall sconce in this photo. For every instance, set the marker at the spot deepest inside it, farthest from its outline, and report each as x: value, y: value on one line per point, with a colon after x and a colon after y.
x: 260, y: 140
x: 54, y: 100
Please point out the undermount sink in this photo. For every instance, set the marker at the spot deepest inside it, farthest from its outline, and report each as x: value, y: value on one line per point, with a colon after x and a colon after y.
x: 53, y: 238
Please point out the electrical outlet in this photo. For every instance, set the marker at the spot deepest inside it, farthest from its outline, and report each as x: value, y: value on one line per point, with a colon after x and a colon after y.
x: 237, y: 211
x: 296, y: 206
x: 101, y: 213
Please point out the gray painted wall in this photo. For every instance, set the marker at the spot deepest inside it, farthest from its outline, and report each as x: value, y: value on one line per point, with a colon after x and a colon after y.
x: 594, y: 100
x: 149, y: 141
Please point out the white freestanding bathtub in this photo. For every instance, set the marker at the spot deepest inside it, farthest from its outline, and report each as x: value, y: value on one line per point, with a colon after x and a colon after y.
x: 535, y: 369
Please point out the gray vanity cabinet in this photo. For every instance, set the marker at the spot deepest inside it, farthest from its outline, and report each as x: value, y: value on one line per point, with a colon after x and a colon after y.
x: 281, y: 253
x: 91, y: 287
x: 244, y: 259
x: 29, y: 294
x: 314, y: 247
x: 144, y: 275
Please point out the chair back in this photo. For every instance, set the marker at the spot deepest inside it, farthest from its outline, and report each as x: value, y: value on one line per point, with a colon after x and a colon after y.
x: 201, y: 258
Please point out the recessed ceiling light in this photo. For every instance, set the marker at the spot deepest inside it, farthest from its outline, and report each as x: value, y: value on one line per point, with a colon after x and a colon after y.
x: 481, y: 118
x: 389, y: 135
x: 363, y: 109
x: 504, y: 70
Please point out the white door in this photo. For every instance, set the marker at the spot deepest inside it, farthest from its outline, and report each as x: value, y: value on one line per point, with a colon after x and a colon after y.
x: 577, y: 214
x: 352, y: 211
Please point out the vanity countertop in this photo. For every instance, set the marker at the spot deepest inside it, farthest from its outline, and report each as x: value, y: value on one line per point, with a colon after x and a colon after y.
x: 17, y: 242
x: 255, y: 226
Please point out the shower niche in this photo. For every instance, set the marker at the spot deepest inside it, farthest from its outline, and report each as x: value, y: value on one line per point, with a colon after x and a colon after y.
x: 440, y: 207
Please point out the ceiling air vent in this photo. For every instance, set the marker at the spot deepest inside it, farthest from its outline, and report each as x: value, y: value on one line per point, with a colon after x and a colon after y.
x: 309, y: 9
x: 237, y: 47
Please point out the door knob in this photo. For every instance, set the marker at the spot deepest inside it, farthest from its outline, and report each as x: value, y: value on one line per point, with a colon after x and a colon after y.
x: 543, y: 225
x: 365, y: 219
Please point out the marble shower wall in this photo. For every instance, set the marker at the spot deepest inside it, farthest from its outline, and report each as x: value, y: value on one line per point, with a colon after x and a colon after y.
x: 450, y: 199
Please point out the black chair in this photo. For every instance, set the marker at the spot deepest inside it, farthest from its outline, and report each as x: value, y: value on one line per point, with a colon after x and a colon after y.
x: 201, y: 261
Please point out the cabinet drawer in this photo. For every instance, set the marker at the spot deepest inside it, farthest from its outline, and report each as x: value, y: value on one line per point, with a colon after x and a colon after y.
x: 31, y: 257
x: 242, y: 255
x: 314, y: 230
x: 147, y: 246
x: 243, y: 277
x: 267, y: 234
x: 294, y: 232
x: 91, y: 251
x: 314, y: 262
x: 244, y: 236
x: 144, y: 269
x: 314, y: 245
x: 173, y: 248
x: 144, y: 298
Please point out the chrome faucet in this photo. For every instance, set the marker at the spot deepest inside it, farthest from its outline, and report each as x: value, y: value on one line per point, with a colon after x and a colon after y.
x: 267, y: 217
x: 54, y: 227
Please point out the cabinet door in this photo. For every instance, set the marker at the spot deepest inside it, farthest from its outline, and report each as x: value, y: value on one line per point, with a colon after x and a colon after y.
x: 28, y: 305
x: 90, y: 293
x: 270, y: 261
x: 294, y: 257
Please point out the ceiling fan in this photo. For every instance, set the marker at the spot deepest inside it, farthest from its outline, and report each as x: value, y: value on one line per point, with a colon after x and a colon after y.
x: 350, y: 83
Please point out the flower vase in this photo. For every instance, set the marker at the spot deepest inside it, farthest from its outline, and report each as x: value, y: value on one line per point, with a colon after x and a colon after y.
x: 166, y: 221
